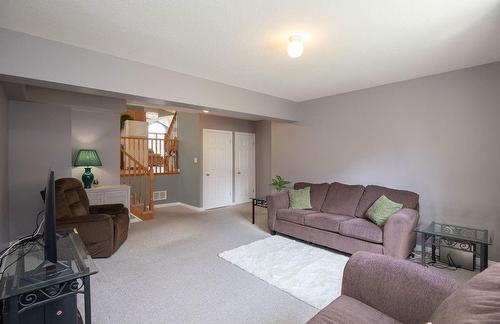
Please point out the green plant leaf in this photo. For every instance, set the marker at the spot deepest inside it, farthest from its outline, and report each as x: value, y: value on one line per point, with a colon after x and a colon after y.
x: 279, y: 183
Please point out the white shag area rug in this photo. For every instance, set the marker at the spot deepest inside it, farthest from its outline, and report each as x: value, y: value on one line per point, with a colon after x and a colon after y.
x: 308, y: 273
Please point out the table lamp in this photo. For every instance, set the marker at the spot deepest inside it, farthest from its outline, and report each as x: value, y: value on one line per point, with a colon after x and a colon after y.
x: 87, y: 159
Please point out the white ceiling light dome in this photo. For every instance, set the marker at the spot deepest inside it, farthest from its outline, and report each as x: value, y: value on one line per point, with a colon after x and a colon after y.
x: 295, y: 46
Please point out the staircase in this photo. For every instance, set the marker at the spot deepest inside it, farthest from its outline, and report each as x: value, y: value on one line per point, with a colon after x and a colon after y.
x: 139, y: 176
x: 142, y: 159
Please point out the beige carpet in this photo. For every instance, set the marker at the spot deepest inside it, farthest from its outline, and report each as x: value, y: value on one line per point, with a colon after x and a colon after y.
x: 168, y: 271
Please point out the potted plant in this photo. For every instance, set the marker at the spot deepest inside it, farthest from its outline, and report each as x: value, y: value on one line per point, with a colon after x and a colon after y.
x: 279, y: 183
x: 123, y: 119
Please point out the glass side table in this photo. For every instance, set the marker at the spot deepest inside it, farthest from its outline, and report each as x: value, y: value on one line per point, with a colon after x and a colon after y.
x: 29, y: 283
x: 260, y: 202
x: 456, y: 237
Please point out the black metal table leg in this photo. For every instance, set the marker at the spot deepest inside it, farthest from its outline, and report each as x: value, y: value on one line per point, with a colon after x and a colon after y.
x: 86, y: 296
x: 422, y: 246
x: 433, y: 247
x: 483, y: 258
x: 253, y: 211
x: 12, y: 316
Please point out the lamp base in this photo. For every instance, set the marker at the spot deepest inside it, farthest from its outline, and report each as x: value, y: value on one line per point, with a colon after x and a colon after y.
x: 87, y: 178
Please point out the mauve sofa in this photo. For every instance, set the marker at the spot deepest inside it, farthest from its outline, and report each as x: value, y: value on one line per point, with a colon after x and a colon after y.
x: 382, y: 289
x: 338, y: 218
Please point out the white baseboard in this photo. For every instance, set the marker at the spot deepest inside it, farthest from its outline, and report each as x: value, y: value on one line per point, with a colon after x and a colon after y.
x: 168, y: 205
x: 192, y: 207
x: 178, y: 203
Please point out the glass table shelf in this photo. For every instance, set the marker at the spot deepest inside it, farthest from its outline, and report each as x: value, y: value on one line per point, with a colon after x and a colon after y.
x: 456, y: 237
x: 29, y: 281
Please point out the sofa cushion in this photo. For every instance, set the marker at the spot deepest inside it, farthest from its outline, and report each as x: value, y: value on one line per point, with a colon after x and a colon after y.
x: 382, y: 209
x: 477, y: 301
x: 342, y: 199
x: 300, y: 198
x: 372, y: 193
x: 293, y: 215
x: 361, y: 229
x: 318, y: 193
x: 325, y: 221
x: 349, y: 310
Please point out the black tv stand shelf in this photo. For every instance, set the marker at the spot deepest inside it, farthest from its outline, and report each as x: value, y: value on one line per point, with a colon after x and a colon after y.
x: 33, y: 290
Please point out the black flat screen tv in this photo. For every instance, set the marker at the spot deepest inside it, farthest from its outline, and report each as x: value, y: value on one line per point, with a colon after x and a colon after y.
x: 49, y: 235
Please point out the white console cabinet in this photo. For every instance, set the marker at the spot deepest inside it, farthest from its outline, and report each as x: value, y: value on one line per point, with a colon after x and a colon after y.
x: 118, y: 194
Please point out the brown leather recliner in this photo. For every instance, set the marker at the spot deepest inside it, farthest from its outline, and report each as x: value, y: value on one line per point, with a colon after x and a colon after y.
x: 103, y: 228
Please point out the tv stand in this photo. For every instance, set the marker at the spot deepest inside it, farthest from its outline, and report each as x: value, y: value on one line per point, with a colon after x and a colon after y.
x: 34, y: 290
x: 46, y: 271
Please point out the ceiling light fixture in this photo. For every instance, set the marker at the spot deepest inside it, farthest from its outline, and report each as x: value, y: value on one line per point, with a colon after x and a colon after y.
x: 206, y: 111
x: 295, y: 46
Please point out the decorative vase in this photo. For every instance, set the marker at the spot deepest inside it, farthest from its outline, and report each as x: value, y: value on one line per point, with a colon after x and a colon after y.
x: 87, y: 178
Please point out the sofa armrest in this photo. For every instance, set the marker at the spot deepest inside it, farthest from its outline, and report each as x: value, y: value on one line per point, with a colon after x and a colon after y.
x: 399, y: 288
x: 91, y: 228
x: 275, y: 201
x: 399, y: 233
x: 111, y: 209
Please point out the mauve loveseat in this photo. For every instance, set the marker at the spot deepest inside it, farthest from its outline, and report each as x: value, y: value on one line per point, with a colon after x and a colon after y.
x: 384, y: 290
x: 338, y: 218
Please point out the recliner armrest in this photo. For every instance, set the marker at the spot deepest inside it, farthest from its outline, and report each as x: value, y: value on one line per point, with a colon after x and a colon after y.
x: 111, y: 209
x: 91, y: 228
x: 275, y: 201
x: 91, y: 218
x: 399, y: 233
x: 399, y: 288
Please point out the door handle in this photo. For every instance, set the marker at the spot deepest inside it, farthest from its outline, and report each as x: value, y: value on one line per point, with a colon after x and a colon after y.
x: 238, y: 172
x: 207, y: 174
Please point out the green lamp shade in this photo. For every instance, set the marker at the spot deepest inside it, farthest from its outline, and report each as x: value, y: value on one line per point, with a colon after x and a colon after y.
x: 86, y: 158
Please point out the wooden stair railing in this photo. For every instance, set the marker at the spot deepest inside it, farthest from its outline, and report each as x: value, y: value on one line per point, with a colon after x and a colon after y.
x: 141, y: 181
x: 159, y: 154
x: 172, y: 127
x: 141, y: 159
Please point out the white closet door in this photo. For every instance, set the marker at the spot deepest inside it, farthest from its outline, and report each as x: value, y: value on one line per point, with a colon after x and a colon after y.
x: 244, y: 166
x: 217, y: 168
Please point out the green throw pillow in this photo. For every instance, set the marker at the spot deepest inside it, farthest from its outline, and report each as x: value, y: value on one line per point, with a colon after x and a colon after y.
x: 300, y: 199
x: 382, y: 209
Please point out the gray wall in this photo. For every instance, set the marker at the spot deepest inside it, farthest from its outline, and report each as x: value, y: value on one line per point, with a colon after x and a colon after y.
x: 4, y: 190
x: 189, y: 148
x: 263, y: 157
x: 225, y: 123
x: 184, y: 187
x: 187, y: 187
x: 39, y: 139
x: 74, y: 99
x: 78, y: 67
x: 100, y: 130
x: 437, y: 135
x: 44, y: 133
x: 95, y: 124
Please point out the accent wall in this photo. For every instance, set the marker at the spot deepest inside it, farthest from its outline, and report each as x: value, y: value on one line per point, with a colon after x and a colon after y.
x: 39, y: 139
x: 437, y: 135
